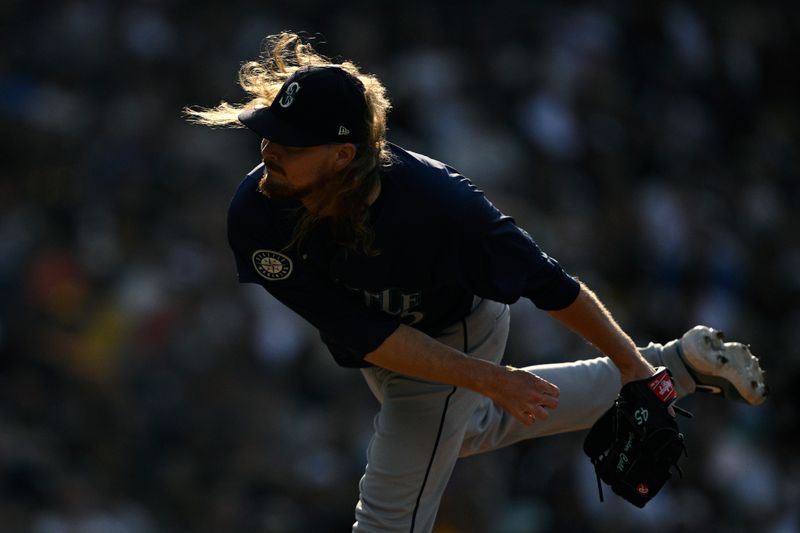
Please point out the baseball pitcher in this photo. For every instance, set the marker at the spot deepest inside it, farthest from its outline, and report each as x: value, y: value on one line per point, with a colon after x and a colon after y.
x: 407, y: 270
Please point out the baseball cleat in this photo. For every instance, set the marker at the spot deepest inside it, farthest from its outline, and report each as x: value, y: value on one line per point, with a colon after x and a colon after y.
x: 720, y: 367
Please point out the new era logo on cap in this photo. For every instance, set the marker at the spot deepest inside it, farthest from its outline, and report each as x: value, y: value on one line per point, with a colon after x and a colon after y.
x: 316, y: 105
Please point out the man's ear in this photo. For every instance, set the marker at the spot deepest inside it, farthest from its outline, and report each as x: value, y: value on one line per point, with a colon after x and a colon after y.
x: 344, y: 155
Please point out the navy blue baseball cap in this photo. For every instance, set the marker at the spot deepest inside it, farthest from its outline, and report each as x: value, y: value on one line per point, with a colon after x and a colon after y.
x: 316, y: 105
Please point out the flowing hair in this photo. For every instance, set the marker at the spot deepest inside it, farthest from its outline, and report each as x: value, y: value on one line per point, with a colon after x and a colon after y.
x: 345, y: 196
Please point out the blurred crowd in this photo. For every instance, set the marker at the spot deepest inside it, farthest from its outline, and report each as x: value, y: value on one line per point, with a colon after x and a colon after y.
x: 650, y: 146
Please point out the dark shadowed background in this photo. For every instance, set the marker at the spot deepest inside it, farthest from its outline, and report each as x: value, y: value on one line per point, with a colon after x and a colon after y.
x: 652, y: 149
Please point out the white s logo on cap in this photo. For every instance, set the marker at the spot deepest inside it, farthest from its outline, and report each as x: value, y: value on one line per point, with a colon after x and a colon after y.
x: 288, y: 98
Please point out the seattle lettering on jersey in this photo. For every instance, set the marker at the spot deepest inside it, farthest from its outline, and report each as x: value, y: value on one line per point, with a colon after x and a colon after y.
x: 395, y: 302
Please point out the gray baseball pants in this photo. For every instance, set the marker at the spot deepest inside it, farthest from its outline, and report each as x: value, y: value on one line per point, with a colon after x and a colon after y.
x: 423, y: 427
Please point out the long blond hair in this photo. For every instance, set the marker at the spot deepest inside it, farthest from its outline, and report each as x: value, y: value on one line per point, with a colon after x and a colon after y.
x: 345, y: 196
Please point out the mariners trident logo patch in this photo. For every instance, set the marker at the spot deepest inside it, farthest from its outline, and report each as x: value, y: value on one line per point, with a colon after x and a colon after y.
x: 272, y: 266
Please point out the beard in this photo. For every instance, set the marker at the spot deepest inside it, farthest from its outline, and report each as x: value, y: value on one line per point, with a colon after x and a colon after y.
x: 274, y: 187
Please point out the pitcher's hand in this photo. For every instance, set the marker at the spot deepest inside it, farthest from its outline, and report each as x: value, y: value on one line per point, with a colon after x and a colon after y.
x: 524, y: 395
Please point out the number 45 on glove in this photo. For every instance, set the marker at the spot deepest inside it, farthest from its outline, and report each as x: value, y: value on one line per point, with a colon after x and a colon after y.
x: 634, y: 445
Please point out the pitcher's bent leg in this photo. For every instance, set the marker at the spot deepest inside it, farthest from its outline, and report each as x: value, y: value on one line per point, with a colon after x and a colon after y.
x: 587, y: 389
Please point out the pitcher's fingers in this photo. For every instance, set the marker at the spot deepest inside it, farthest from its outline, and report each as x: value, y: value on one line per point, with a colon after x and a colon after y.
x: 551, y: 402
x: 546, y: 387
x: 540, y: 413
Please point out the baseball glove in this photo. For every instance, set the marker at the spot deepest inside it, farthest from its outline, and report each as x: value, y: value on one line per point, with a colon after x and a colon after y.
x: 634, y: 445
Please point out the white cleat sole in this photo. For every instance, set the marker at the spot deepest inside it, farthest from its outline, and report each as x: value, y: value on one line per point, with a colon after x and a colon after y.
x: 720, y: 367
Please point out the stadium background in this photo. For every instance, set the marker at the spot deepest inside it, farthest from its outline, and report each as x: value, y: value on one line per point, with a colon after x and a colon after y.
x: 651, y: 148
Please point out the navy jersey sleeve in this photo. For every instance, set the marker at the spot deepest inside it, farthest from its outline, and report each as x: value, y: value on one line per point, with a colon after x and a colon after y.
x: 346, y: 325
x: 499, y: 260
